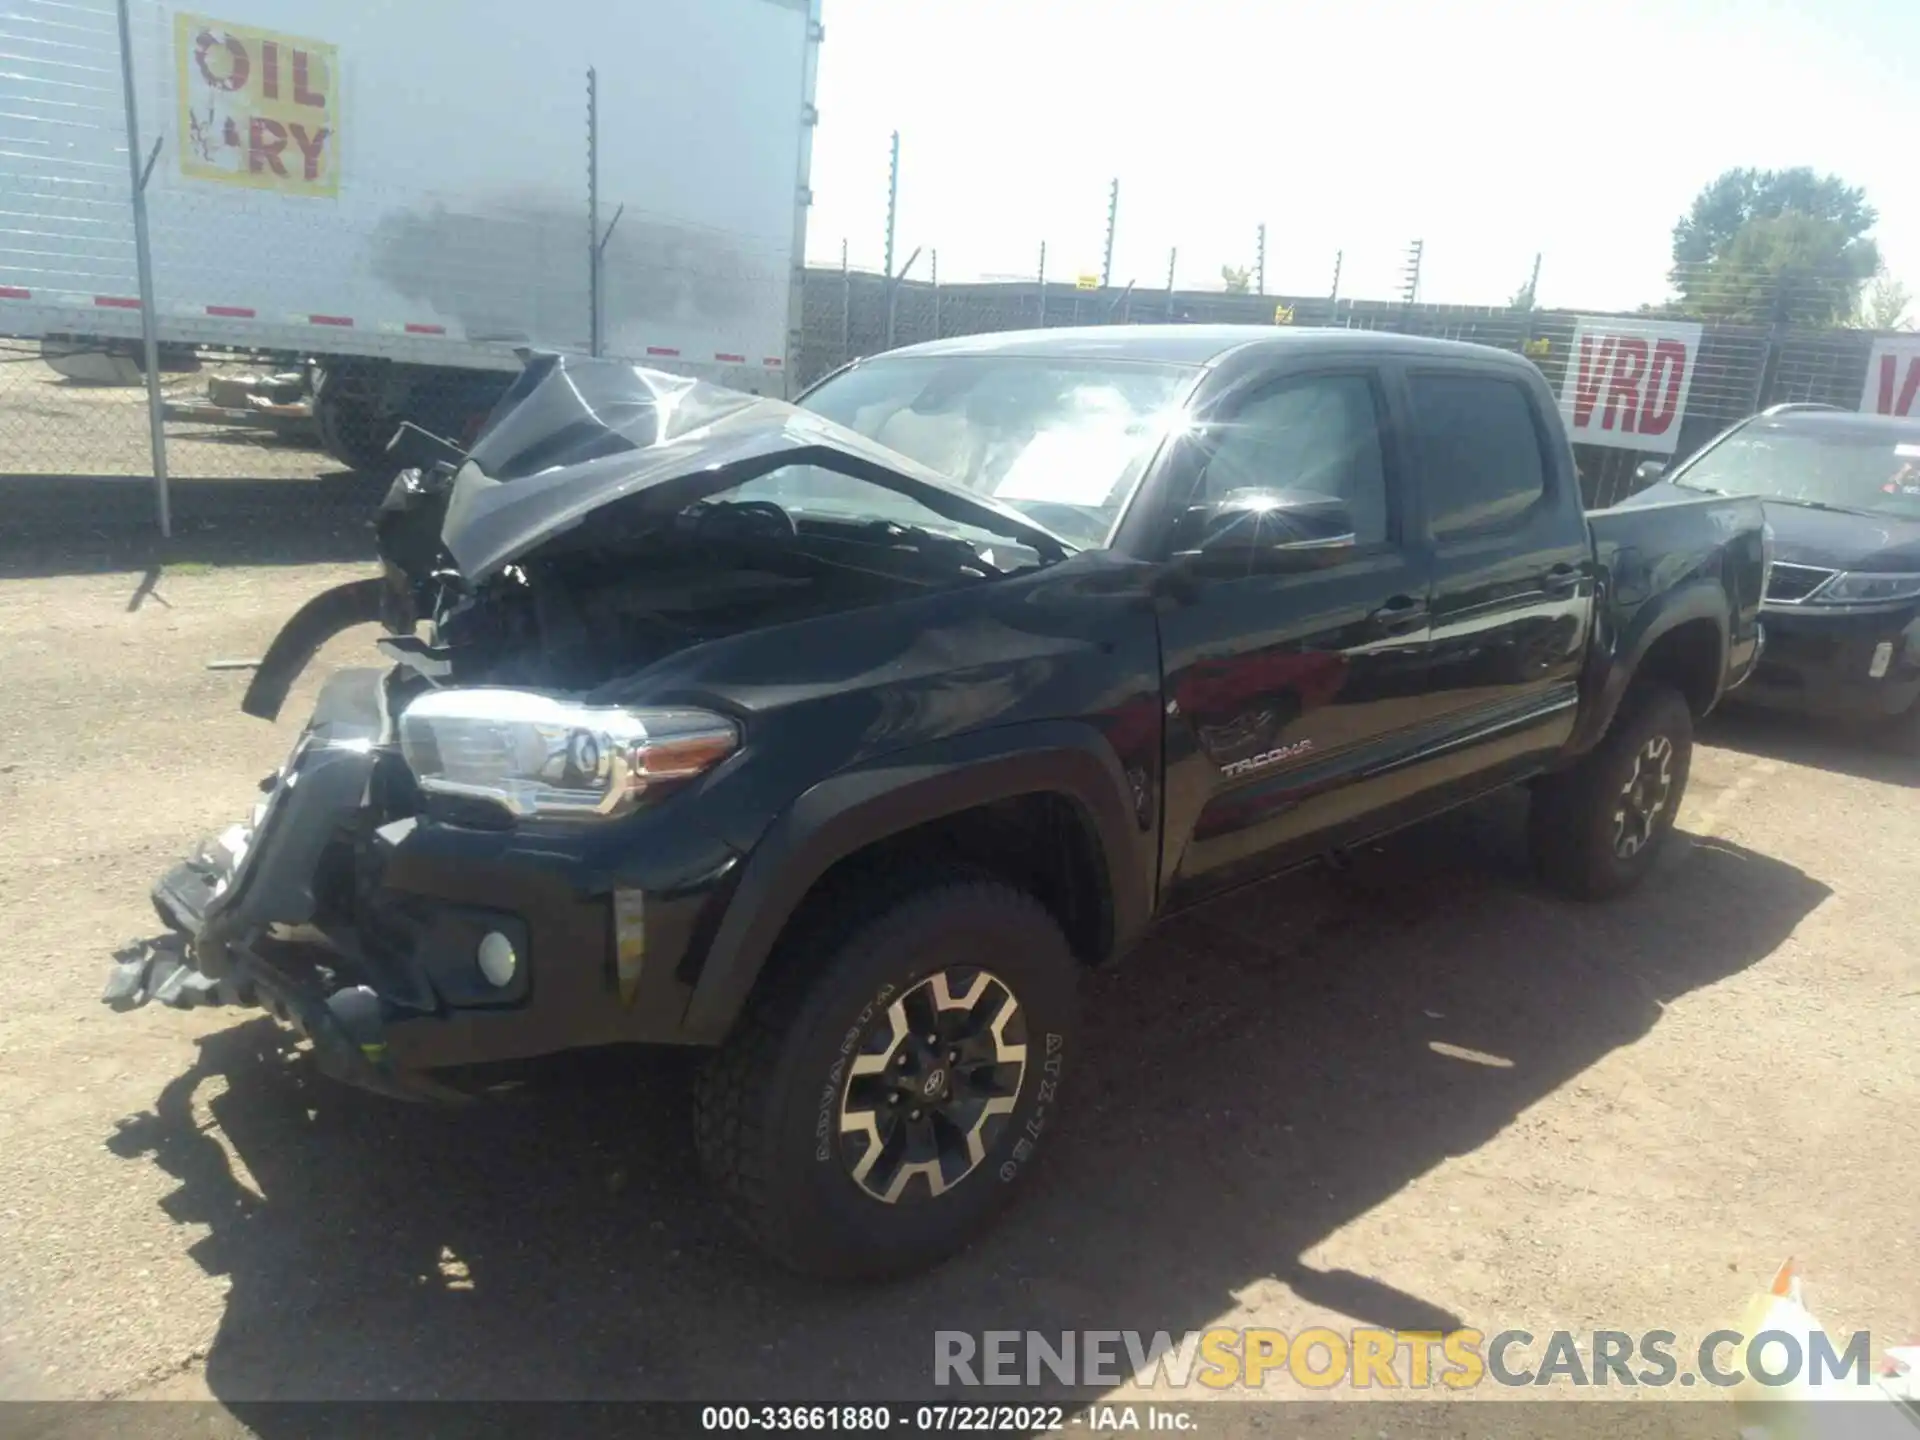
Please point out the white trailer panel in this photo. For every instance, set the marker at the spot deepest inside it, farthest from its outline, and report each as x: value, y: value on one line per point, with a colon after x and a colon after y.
x: 346, y: 177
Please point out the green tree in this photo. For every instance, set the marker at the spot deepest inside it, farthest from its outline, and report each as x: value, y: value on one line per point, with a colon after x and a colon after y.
x: 1885, y: 305
x: 1237, y: 278
x: 1765, y: 245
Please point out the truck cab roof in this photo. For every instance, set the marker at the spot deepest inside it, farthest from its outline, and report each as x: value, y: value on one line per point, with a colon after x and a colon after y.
x: 1200, y: 345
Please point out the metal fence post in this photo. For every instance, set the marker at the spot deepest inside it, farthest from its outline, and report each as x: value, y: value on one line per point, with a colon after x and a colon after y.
x: 596, y: 241
x: 893, y: 292
x: 143, y: 260
x: 593, y: 213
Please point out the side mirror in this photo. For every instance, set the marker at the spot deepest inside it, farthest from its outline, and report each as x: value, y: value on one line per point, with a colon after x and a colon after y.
x: 1648, y: 472
x: 1249, y: 532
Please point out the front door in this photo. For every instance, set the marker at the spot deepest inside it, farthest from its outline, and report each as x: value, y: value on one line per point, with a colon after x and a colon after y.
x: 1282, y: 690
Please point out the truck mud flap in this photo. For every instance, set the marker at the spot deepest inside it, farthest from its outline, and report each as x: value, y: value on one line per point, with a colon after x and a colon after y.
x: 300, y: 639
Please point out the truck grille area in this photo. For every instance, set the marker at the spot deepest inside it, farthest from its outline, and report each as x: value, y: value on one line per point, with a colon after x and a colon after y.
x: 1791, y: 584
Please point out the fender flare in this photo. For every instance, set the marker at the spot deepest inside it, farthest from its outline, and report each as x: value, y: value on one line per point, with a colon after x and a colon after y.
x: 1700, y: 599
x: 324, y: 616
x: 855, y: 808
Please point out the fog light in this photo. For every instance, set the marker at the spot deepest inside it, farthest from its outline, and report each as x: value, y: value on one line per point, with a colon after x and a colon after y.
x: 497, y: 959
x: 1882, y: 658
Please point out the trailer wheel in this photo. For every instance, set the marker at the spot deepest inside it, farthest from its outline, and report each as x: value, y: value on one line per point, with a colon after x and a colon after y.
x: 351, y: 417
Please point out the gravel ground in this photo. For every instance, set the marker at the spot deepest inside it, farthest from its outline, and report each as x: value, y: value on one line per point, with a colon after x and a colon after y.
x: 1417, y: 1092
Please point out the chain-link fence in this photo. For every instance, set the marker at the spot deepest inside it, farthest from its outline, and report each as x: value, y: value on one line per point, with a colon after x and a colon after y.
x: 78, y: 410
x: 1739, y: 368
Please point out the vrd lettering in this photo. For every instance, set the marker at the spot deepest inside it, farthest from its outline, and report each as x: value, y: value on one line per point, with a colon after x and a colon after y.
x: 1642, y: 390
x: 1626, y: 381
x: 1888, y: 373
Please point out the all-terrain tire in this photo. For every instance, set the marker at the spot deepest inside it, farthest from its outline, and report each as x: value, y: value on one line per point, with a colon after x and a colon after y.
x: 1901, y: 734
x: 1582, y: 817
x: 769, y: 1105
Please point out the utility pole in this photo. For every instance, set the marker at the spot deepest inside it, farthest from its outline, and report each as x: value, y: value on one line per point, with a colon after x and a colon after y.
x: 1260, y: 262
x: 893, y: 199
x: 1415, y: 251
x: 1533, y: 284
x: 1113, y: 219
x: 1333, y: 298
x: 1041, y: 285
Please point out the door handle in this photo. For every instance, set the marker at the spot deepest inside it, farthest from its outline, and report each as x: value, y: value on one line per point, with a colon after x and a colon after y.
x: 1399, y: 615
x: 1561, y: 578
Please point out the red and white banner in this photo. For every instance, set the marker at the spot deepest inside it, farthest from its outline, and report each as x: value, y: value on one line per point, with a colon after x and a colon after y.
x: 1893, y: 378
x: 1627, y: 382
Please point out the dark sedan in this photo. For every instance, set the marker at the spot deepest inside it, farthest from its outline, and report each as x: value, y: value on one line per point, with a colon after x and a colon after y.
x: 1842, y: 610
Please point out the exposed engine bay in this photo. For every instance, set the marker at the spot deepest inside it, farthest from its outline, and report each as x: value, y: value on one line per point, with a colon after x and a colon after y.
x: 597, y: 606
x: 608, y: 517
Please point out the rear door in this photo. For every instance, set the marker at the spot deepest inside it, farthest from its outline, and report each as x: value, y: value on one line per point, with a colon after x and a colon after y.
x: 1286, y: 690
x: 1512, y: 564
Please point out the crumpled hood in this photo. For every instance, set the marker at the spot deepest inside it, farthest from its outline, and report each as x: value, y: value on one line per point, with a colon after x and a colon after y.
x: 574, y: 435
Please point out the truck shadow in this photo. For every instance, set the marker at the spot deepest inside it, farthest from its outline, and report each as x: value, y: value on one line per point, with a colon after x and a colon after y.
x: 1844, y: 749
x: 1260, y: 1074
x: 80, y: 525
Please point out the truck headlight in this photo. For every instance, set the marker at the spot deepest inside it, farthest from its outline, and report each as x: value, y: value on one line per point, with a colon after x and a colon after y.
x: 534, y: 755
x: 1857, y: 588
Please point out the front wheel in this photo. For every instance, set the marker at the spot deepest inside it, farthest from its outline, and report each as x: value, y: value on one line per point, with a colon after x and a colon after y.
x: 888, y: 1094
x: 1597, y: 829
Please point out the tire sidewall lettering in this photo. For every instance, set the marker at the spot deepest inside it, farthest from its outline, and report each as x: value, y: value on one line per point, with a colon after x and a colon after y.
x: 1052, y: 1067
x: 823, y: 1130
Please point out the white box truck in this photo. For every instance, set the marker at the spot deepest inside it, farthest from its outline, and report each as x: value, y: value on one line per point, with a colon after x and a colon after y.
x: 397, y: 194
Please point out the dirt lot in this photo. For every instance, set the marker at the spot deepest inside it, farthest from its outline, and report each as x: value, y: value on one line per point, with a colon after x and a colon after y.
x: 1415, y: 1093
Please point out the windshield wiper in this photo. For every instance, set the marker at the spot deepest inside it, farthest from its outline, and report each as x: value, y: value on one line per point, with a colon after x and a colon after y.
x: 1818, y: 505
x: 937, y: 544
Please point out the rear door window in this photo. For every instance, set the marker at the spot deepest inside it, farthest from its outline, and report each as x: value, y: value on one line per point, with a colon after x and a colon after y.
x: 1480, y: 450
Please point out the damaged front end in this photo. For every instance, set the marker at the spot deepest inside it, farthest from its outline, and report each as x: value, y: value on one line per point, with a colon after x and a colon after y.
x: 472, y: 855
x: 264, y: 913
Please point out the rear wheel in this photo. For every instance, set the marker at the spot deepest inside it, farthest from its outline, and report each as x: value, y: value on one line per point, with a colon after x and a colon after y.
x: 1902, y: 734
x: 885, y: 1098
x: 1597, y: 828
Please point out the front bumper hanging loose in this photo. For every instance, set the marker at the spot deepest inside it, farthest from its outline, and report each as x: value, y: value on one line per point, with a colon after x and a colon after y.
x: 223, y: 905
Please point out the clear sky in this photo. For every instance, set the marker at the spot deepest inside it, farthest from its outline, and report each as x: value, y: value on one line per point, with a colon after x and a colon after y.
x: 1491, y: 129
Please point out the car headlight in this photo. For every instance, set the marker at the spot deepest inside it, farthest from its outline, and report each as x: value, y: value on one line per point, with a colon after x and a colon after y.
x: 1856, y: 588
x: 534, y: 755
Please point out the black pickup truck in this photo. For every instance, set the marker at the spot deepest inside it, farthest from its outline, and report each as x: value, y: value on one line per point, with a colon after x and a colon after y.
x: 839, y: 738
